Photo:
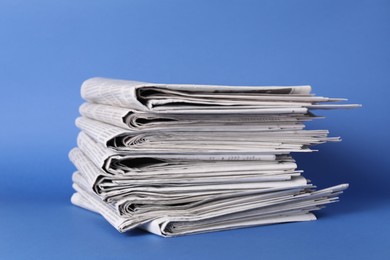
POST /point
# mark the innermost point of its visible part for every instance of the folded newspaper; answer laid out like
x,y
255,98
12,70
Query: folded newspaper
x,y
179,159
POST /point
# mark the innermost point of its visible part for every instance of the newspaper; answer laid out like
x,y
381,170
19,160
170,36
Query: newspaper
x,y
146,121
290,138
297,208
178,159
200,99
287,201
202,203
186,184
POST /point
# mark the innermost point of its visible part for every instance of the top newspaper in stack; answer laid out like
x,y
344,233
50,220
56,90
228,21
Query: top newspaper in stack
x,y
208,99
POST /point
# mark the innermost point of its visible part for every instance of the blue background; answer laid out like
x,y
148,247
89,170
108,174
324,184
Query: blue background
x,y
47,48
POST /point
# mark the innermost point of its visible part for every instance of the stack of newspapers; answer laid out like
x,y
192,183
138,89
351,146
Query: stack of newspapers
x,y
177,159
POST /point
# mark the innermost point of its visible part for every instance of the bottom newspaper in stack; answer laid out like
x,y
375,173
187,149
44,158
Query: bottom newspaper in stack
x,y
177,196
